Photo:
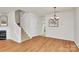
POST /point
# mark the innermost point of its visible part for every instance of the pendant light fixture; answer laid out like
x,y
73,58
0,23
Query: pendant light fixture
x,y
53,21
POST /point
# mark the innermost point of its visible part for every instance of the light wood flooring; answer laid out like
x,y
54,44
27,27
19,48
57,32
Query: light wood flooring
x,y
38,44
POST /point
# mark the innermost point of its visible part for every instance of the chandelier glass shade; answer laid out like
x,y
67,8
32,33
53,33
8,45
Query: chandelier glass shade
x,y
54,14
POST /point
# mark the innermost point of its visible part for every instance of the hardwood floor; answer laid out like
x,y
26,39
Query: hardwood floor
x,y
38,44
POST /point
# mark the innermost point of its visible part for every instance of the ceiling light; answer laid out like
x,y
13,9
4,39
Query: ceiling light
x,y
53,21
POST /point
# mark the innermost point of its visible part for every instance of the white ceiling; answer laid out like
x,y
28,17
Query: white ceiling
x,y
36,10
46,10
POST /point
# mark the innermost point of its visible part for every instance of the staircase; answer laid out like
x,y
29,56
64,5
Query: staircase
x,y
24,35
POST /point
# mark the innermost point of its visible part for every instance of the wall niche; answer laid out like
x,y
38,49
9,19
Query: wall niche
x,y
3,20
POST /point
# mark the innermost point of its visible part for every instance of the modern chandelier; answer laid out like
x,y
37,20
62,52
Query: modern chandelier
x,y
54,20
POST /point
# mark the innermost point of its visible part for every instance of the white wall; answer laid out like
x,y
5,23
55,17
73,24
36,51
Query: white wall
x,y
15,30
66,26
76,20
41,25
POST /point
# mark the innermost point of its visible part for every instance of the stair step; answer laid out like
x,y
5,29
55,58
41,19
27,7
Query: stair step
x,y
24,35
